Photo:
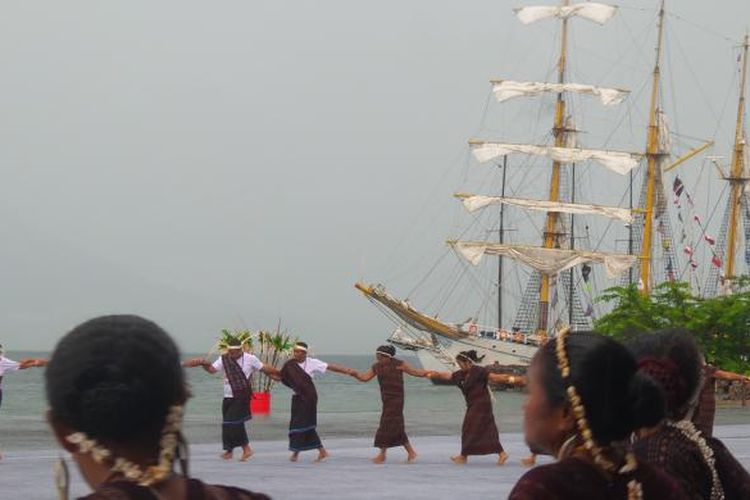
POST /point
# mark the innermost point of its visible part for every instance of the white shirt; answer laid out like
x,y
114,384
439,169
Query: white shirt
x,y
249,364
313,366
8,365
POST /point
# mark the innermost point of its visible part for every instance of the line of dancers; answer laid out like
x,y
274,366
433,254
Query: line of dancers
x,y
618,419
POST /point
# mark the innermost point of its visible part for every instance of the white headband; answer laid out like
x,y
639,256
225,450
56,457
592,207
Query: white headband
x,y
298,347
384,353
234,347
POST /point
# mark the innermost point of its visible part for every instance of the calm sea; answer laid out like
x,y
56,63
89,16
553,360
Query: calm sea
x,y
347,408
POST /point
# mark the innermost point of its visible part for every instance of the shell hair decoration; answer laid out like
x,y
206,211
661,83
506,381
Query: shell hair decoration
x,y
635,491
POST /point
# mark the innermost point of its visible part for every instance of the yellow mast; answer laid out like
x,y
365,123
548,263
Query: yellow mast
x,y
550,232
737,176
652,153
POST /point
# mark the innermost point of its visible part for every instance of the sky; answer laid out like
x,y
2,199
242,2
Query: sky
x,y
235,164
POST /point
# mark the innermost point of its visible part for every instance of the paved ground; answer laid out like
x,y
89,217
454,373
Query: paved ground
x,y
347,474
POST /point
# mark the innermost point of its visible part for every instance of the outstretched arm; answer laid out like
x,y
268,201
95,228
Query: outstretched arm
x,y
364,376
31,362
414,372
447,376
341,369
731,376
502,378
202,362
272,372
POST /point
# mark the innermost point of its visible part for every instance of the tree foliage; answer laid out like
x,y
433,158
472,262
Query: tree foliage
x,y
721,325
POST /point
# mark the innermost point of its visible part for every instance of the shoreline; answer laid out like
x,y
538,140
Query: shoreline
x,y
348,473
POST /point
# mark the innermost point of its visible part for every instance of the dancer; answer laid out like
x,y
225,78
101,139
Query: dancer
x,y
297,374
238,367
701,464
585,399
116,393
8,365
389,370
479,432
705,411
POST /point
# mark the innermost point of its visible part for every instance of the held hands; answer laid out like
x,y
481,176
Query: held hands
x,y
195,362
31,363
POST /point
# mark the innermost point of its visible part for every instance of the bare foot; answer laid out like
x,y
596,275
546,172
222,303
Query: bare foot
x,y
246,453
502,458
459,459
294,457
322,455
411,457
227,455
529,461
378,459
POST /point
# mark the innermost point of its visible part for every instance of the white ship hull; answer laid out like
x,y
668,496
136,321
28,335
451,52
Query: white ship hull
x,y
494,351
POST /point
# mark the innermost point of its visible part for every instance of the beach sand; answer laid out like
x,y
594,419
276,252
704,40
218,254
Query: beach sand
x,y
348,473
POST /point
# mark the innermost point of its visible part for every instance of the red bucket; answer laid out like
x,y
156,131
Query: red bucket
x,y
260,403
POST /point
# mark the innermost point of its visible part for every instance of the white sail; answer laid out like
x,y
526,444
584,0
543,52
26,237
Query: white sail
x,y
596,12
620,162
505,90
474,202
547,260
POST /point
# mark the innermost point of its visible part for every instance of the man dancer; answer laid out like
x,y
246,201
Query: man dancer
x,y
8,365
238,366
297,374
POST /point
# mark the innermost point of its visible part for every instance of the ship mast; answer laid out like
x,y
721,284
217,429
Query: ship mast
x,y
654,155
500,259
551,236
737,177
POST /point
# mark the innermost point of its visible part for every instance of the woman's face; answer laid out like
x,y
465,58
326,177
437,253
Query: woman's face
x,y
545,427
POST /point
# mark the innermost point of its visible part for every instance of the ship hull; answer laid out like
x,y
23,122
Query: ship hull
x,y
495,352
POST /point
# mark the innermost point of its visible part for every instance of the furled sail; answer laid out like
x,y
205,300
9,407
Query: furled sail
x,y
596,12
620,162
505,90
474,202
547,260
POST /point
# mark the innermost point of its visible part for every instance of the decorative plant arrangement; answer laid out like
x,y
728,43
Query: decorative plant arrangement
x,y
272,349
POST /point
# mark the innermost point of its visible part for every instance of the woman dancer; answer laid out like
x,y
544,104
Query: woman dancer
x,y
116,392
585,399
479,432
390,372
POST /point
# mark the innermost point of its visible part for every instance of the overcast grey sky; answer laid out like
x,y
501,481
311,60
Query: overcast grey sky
x,y
224,164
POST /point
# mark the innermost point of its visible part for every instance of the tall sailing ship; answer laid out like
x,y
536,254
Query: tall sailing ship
x,y
558,289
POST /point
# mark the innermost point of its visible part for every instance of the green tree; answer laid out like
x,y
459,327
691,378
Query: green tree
x,y
721,325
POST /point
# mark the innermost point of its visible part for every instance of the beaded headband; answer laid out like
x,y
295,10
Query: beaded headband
x,y
579,411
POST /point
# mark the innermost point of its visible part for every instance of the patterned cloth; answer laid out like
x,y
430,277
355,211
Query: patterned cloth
x,y
479,432
671,450
574,478
391,430
304,419
196,490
